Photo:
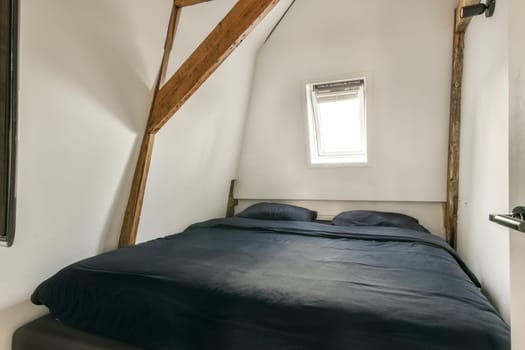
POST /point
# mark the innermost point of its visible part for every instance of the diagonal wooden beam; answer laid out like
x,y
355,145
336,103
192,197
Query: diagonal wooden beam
x,y
219,44
184,3
228,34
130,224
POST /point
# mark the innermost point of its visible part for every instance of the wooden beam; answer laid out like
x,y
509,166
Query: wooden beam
x,y
130,224
219,44
462,23
232,202
225,38
184,3
168,46
454,143
451,207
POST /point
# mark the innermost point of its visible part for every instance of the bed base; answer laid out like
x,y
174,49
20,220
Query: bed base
x,y
47,333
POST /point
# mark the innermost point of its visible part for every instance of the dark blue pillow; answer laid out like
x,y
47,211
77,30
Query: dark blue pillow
x,y
277,211
377,218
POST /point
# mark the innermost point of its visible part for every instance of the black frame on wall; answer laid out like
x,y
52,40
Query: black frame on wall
x,y
8,117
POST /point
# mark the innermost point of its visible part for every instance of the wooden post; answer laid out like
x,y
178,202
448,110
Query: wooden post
x,y
221,42
130,224
451,206
128,233
232,202
451,218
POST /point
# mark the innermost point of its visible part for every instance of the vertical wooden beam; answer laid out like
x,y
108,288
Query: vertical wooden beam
x,y
128,233
451,221
130,224
451,206
232,202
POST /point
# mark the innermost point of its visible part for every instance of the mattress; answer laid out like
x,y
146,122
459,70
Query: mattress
x,y
257,284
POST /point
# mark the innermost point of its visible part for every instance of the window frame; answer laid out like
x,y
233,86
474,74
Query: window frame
x,y
9,27
348,158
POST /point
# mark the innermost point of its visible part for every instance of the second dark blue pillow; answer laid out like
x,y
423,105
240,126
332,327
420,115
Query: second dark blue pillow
x,y
377,218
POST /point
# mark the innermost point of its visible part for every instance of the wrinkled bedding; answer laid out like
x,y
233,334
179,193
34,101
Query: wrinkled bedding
x,y
256,284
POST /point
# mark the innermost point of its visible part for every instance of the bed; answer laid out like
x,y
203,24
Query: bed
x,y
251,283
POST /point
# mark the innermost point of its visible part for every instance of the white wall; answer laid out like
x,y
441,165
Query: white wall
x,y
484,164
517,166
196,153
86,70
404,48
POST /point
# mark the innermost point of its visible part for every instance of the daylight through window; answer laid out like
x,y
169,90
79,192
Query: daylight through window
x,y
337,122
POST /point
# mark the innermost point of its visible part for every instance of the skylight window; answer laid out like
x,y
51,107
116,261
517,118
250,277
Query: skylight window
x,y
337,122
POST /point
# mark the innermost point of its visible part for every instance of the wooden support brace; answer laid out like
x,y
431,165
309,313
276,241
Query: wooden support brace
x,y
130,224
128,233
451,219
232,201
184,3
219,44
226,36
451,207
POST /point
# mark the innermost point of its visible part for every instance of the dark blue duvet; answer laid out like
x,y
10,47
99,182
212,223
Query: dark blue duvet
x,y
250,284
